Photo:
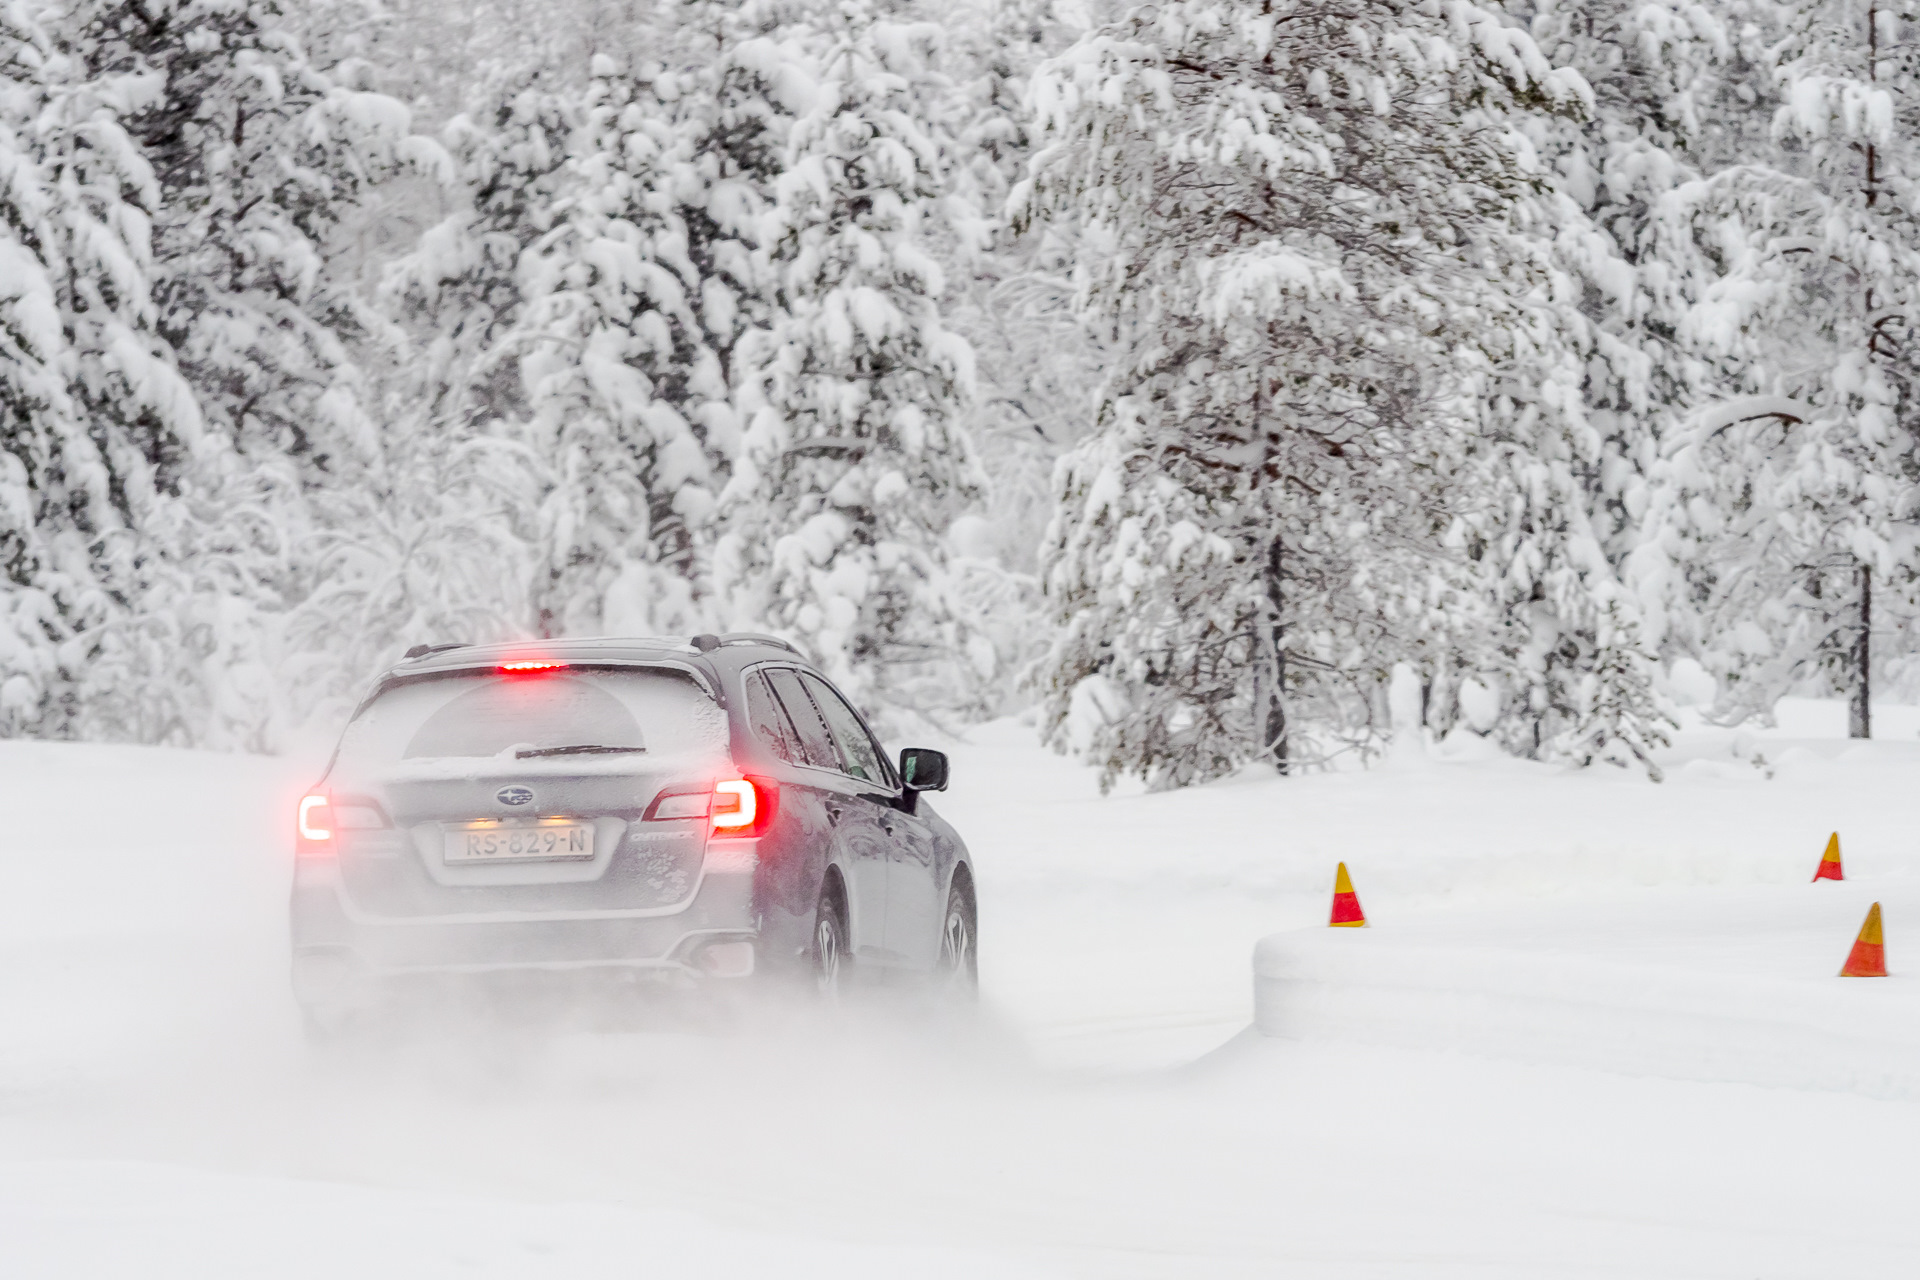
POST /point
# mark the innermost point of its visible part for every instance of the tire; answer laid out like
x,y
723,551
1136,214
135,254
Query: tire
x,y
828,958
958,971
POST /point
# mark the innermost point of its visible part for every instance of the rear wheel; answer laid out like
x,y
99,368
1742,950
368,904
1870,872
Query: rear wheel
x,y
830,944
959,968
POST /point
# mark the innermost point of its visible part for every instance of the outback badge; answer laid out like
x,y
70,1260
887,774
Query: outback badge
x,y
514,795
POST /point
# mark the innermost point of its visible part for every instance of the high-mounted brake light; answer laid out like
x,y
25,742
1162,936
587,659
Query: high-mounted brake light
x,y
735,804
316,818
531,665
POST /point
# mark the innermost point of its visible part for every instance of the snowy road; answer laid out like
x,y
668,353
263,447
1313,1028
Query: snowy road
x,y
158,1117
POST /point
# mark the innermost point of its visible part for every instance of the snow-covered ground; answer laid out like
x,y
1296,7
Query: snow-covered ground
x,y
1593,1032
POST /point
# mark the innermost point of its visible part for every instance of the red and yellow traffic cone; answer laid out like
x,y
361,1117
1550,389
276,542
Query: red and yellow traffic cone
x,y
1346,904
1829,868
1868,959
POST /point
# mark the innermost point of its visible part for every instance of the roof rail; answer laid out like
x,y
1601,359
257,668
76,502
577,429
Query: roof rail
x,y
758,637
423,650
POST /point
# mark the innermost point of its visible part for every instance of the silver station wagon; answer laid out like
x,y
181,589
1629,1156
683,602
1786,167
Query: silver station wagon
x,y
647,814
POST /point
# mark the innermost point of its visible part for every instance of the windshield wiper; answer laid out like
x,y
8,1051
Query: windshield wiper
x,y
577,749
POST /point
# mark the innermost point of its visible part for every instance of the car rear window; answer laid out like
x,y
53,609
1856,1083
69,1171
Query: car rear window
x,y
534,712
483,713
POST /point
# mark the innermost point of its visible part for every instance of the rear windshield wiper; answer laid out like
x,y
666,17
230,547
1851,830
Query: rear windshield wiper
x,y
577,749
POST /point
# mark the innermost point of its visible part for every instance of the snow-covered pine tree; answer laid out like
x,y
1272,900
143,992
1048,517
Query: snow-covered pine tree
x,y
618,375
433,541
1566,644
1296,220
742,74
857,463
1794,497
256,151
455,297
439,540
1010,296
678,159
50,590
429,544
1600,376
1012,293
95,427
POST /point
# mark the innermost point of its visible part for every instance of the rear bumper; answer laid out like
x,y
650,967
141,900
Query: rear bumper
x,y
340,950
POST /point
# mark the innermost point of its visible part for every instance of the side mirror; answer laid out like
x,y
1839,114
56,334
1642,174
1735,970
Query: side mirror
x,y
923,769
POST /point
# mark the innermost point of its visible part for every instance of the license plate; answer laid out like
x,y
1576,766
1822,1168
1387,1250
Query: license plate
x,y
549,841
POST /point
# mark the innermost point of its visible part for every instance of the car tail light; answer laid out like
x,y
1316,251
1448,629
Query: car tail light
x,y
531,666
735,805
738,807
314,826
681,804
744,807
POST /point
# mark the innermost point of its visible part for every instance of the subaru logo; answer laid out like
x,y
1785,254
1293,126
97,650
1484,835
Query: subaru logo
x,y
513,795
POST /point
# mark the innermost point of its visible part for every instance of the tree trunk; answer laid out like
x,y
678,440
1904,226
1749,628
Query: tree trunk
x,y
1860,714
1274,731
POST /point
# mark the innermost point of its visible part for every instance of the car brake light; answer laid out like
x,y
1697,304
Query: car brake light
x,y
530,667
316,818
735,805
313,825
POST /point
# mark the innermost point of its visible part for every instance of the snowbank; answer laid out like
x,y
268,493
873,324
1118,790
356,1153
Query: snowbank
x,y
1734,985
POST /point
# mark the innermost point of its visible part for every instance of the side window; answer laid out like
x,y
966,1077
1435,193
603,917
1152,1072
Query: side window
x,y
769,722
816,744
861,758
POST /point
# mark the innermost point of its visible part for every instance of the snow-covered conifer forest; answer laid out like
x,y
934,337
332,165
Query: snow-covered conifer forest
x,y
1196,373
